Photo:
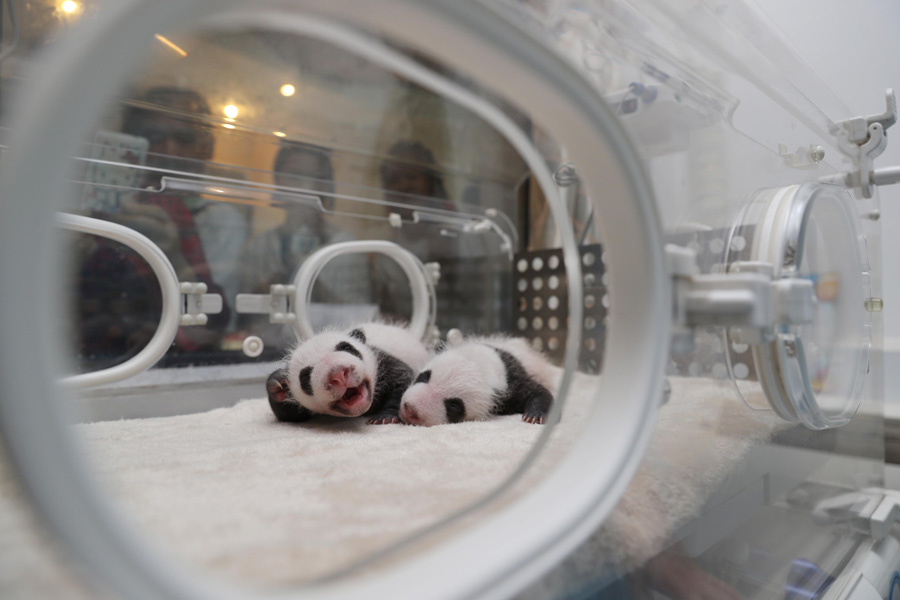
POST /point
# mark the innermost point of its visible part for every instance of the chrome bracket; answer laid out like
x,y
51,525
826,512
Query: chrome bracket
x,y
278,304
863,139
747,298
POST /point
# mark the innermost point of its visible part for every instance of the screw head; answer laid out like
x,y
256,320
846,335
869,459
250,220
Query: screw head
x,y
817,153
565,175
252,346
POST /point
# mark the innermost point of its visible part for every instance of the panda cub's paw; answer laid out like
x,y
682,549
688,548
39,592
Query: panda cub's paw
x,y
384,419
283,404
277,386
538,418
538,401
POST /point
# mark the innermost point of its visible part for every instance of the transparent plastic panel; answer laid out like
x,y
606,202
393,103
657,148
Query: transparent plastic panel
x,y
729,499
836,357
242,151
238,204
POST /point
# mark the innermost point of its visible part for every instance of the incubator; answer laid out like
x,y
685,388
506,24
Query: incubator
x,y
660,197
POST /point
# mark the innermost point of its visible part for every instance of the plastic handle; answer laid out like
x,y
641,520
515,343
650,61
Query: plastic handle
x,y
423,295
171,299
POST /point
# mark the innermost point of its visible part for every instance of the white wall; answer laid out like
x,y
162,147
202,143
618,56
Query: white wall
x,y
855,49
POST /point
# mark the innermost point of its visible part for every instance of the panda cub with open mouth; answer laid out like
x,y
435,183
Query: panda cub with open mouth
x,y
362,372
477,379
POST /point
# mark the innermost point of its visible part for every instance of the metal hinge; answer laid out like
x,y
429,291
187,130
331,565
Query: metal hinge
x,y
278,304
196,304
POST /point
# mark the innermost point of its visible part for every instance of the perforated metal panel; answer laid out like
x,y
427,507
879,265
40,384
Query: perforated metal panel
x,y
540,290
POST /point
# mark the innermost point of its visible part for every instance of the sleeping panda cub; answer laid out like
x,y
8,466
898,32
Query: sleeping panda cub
x,y
361,372
479,378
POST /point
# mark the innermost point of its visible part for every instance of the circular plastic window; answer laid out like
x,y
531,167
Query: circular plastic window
x,y
812,373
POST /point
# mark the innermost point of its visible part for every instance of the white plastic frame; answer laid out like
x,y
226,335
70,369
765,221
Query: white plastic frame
x,y
169,286
424,302
537,530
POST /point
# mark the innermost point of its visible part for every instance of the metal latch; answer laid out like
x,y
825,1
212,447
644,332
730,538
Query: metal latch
x,y
863,139
278,304
747,298
196,304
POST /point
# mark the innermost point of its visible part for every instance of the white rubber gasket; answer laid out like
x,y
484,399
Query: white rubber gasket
x,y
424,300
169,286
768,246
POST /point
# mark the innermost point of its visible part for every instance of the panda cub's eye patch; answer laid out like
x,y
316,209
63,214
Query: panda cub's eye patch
x,y
456,410
424,377
348,348
305,381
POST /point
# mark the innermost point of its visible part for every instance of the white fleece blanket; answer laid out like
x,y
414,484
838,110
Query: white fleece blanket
x,y
234,492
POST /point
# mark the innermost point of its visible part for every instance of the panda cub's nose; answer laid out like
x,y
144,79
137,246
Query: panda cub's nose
x,y
409,414
340,377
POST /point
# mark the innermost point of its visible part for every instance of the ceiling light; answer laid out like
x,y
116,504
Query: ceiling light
x,y
167,42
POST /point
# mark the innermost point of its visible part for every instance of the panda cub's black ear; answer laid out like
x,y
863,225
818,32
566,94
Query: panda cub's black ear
x,y
358,334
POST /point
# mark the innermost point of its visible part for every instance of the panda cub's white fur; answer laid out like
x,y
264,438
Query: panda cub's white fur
x,y
348,373
478,378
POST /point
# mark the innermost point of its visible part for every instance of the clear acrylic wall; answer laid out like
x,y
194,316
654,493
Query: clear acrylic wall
x,y
727,117
240,151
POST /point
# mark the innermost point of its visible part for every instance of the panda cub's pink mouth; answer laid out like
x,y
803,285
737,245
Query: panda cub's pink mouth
x,y
355,400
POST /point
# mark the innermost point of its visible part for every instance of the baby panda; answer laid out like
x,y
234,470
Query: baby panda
x,y
362,372
478,378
